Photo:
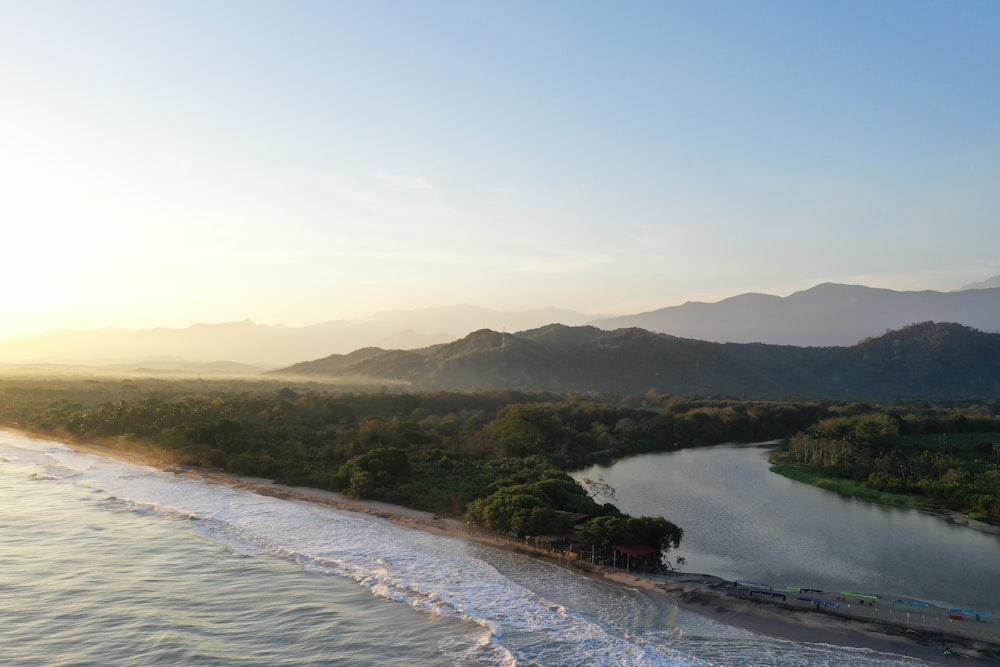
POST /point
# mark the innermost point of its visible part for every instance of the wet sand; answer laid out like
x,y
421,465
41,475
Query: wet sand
x,y
801,622
883,627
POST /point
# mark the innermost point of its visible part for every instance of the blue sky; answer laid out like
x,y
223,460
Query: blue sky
x,y
171,162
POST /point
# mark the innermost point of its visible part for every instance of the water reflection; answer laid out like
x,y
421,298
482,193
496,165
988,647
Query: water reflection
x,y
742,521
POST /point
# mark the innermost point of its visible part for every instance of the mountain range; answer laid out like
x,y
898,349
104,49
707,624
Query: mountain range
x,y
264,347
922,361
825,315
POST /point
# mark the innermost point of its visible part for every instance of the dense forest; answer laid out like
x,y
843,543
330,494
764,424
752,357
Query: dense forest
x,y
909,456
498,458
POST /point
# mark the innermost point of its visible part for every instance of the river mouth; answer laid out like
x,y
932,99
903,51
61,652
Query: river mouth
x,y
742,521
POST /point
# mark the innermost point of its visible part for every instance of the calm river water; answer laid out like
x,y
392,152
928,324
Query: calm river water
x,y
742,521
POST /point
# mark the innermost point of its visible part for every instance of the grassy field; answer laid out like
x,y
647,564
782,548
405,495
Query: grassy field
x,y
846,487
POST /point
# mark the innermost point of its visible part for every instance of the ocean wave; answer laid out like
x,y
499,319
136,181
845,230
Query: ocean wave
x,y
432,576
543,615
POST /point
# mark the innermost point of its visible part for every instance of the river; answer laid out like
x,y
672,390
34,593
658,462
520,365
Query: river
x,y
742,521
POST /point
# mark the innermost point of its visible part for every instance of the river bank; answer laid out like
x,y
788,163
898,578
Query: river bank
x,y
700,594
852,489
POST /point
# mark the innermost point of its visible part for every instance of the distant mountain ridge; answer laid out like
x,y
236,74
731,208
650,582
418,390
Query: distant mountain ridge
x,y
825,315
828,314
983,284
925,361
271,347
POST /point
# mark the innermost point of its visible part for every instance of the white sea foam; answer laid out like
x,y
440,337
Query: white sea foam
x,y
433,577
436,575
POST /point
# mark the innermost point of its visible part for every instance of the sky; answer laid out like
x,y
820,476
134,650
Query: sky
x,y
167,162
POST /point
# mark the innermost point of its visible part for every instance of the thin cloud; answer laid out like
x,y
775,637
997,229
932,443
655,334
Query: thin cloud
x,y
404,182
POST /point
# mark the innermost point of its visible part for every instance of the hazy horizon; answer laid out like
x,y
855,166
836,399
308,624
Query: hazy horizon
x,y
174,163
375,316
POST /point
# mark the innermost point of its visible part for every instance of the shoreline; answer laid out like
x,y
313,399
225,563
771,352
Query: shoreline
x,y
704,595
807,625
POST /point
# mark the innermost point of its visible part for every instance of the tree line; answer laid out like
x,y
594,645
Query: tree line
x,y
921,455
497,458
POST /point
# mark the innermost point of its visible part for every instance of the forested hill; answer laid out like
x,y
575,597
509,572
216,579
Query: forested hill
x,y
924,361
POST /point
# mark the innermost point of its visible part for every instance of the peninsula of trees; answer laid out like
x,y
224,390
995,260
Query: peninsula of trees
x,y
903,456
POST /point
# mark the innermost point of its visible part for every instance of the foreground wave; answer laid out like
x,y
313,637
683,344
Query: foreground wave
x,y
249,579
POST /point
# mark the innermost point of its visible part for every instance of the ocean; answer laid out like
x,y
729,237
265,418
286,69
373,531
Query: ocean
x,y
107,563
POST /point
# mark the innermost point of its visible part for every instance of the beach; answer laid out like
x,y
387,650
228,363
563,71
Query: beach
x,y
727,602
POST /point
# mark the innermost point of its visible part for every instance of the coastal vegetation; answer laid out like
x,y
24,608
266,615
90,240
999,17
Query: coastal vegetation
x,y
500,458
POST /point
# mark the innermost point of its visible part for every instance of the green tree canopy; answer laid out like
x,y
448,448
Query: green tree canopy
x,y
373,474
606,531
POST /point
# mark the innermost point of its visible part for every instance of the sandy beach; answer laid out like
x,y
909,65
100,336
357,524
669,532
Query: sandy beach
x,y
831,619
